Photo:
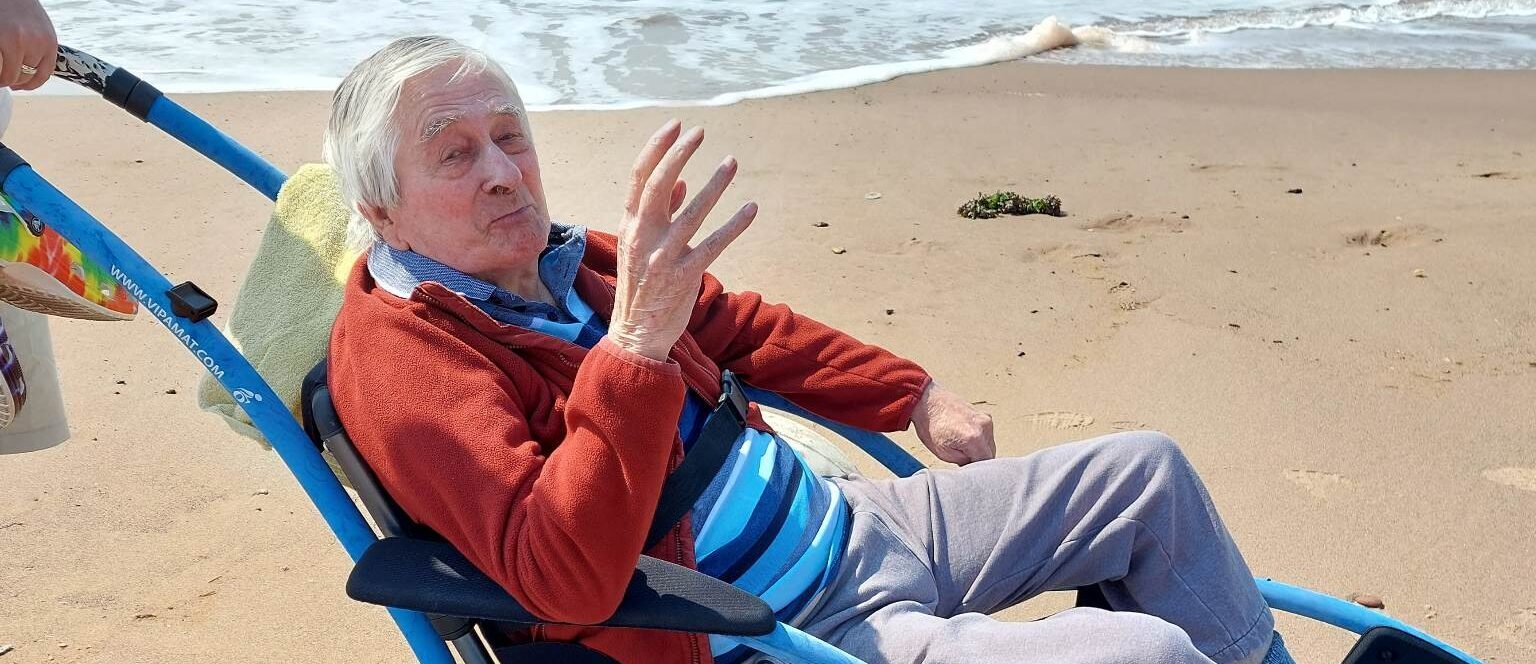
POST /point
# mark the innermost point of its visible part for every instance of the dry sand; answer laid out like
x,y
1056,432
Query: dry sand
x,y
1362,429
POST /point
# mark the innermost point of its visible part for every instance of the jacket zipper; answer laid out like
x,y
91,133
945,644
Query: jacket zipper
x,y
539,633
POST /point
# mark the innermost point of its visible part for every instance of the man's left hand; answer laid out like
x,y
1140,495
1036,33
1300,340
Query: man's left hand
x,y
952,428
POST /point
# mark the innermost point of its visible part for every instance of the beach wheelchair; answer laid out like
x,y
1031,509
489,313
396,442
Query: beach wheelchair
x,y
435,596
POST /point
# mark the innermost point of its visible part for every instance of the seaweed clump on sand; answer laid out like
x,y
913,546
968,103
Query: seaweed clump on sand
x,y
1007,202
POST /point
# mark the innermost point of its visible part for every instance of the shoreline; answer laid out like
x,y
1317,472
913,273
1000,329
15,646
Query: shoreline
x,y
1361,428
793,89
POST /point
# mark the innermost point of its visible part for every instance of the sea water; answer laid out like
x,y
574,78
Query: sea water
x,y
624,53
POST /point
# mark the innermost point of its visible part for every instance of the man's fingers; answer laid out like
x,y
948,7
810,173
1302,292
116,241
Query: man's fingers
x,y
982,445
645,163
659,187
34,80
698,209
981,450
39,51
972,451
9,61
679,192
712,246
44,66
952,455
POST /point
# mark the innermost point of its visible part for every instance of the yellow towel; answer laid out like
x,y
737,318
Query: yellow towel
x,y
282,318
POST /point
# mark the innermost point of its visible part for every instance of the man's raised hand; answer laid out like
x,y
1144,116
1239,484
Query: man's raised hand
x,y
659,270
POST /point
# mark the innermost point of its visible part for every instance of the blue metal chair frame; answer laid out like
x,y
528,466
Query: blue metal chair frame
x,y
213,350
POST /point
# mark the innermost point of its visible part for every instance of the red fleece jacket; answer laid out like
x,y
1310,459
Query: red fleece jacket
x,y
542,461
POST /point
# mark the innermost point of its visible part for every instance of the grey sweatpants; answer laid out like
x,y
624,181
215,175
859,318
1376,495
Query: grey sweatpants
x,y
931,555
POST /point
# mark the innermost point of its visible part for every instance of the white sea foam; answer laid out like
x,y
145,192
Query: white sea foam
x,y
1047,35
624,53
1329,15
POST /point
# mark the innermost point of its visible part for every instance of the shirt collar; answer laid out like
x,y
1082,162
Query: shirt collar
x,y
400,272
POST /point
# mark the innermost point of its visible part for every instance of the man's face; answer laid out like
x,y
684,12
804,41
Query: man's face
x,y
468,176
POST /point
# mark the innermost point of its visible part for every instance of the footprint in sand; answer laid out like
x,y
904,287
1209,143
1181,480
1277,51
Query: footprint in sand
x,y
1519,629
1316,482
1125,302
1393,236
909,248
1130,425
1125,222
1214,168
1519,478
1059,419
1067,252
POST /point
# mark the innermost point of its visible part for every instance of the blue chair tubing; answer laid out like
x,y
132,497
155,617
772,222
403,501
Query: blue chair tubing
x,y
213,350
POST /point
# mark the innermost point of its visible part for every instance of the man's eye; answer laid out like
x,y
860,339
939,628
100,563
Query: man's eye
x,y
507,138
452,155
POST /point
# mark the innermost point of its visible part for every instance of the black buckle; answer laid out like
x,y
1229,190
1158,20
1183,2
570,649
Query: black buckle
x,y
732,398
190,302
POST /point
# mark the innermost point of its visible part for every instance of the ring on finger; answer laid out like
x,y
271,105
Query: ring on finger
x,y
28,70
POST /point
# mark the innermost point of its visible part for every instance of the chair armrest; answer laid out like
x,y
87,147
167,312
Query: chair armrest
x,y
434,578
880,447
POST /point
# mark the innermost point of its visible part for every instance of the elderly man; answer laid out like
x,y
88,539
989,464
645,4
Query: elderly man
x,y
527,389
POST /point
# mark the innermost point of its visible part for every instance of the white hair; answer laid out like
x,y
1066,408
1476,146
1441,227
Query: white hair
x,y
362,137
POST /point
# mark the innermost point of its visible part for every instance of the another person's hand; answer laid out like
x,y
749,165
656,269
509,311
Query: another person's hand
x,y
952,428
659,273
28,46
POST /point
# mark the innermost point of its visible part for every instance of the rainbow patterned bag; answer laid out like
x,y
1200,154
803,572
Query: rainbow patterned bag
x,y
41,271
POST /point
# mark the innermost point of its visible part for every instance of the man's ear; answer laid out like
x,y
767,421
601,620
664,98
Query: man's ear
x,y
379,218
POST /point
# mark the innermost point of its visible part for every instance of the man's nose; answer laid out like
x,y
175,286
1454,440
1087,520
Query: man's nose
x,y
502,175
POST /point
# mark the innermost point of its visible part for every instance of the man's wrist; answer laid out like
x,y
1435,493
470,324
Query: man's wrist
x,y
629,342
920,411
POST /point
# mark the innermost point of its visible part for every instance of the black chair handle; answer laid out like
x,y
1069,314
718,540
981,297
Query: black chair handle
x,y
112,82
